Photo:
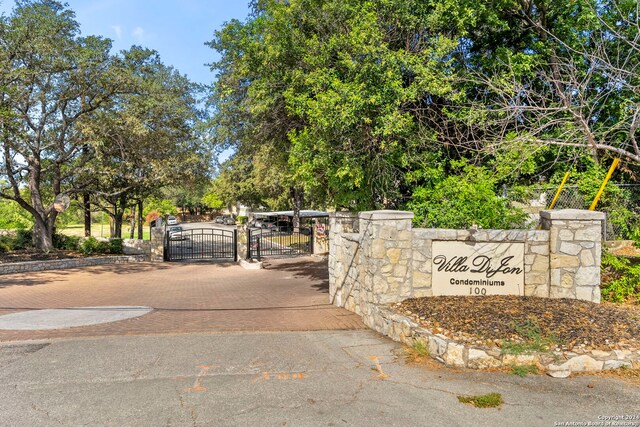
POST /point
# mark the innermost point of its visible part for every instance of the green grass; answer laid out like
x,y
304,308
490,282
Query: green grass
x,y
491,400
523,370
98,230
420,348
532,340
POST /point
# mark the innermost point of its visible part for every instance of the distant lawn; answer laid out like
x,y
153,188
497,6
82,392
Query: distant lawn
x,y
98,230
297,241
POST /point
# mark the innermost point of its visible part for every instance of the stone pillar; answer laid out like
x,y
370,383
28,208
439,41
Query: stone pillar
x,y
243,235
575,240
157,244
387,242
340,258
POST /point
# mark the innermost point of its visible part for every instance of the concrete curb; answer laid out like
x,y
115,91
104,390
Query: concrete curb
x,y
250,265
558,364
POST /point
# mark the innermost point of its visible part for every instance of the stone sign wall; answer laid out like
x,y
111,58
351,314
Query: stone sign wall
x,y
377,258
477,268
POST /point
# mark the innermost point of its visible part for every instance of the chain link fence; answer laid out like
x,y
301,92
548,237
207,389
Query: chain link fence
x,y
620,203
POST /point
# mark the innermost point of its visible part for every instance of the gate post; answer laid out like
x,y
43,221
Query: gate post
x,y
248,243
157,244
235,245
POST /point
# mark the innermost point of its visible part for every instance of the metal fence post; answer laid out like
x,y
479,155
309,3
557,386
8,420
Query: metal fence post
x,y
248,243
258,249
235,245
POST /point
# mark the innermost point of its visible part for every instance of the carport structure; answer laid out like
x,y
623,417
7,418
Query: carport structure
x,y
277,237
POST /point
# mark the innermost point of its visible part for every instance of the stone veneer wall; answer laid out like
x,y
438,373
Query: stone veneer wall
x,y
136,247
24,267
376,258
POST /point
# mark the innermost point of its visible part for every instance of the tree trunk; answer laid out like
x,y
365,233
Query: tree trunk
x,y
297,196
118,207
42,235
132,222
140,233
86,205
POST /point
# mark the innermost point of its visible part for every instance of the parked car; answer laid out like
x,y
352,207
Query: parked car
x,y
219,220
229,220
172,220
176,233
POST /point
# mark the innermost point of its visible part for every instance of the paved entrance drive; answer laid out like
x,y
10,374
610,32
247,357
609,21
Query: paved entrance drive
x,y
289,295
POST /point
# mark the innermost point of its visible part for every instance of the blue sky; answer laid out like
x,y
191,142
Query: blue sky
x,y
177,29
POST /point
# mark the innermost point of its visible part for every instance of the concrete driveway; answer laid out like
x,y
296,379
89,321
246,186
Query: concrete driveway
x,y
289,295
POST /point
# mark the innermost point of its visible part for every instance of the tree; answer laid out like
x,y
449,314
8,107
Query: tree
x,y
52,79
326,91
146,139
565,75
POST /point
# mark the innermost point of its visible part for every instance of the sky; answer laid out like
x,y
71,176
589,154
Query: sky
x,y
177,29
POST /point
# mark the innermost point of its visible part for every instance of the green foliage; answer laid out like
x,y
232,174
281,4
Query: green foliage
x,y
620,279
23,239
531,340
420,348
116,246
64,242
462,200
13,217
163,207
92,246
6,244
89,246
241,219
212,200
491,400
523,370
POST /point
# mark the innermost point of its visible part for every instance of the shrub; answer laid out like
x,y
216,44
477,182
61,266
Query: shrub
x,y
464,199
23,240
242,219
89,246
6,244
620,279
116,246
66,243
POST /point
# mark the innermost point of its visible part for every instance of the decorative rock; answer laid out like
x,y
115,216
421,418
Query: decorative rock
x,y
479,359
582,363
518,359
600,354
622,354
616,364
454,356
559,374
437,345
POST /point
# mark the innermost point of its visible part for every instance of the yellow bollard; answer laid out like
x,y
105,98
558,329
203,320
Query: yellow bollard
x,y
555,198
604,183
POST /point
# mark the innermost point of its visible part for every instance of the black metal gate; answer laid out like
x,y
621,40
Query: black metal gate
x,y
201,244
274,242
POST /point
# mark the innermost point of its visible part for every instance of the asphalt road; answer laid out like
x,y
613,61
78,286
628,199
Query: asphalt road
x,y
334,378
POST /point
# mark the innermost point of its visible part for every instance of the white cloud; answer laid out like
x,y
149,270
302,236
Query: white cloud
x,y
138,33
118,30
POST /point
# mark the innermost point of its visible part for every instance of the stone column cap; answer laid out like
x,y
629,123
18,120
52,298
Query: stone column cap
x,y
573,215
386,215
343,214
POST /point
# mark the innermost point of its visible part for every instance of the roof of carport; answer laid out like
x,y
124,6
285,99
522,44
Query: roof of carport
x,y
303,214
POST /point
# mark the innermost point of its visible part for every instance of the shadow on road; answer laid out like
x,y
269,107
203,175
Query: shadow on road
x,y
303,267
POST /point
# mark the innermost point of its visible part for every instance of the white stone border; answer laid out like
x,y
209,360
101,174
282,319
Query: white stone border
x,y
63,264
456,354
